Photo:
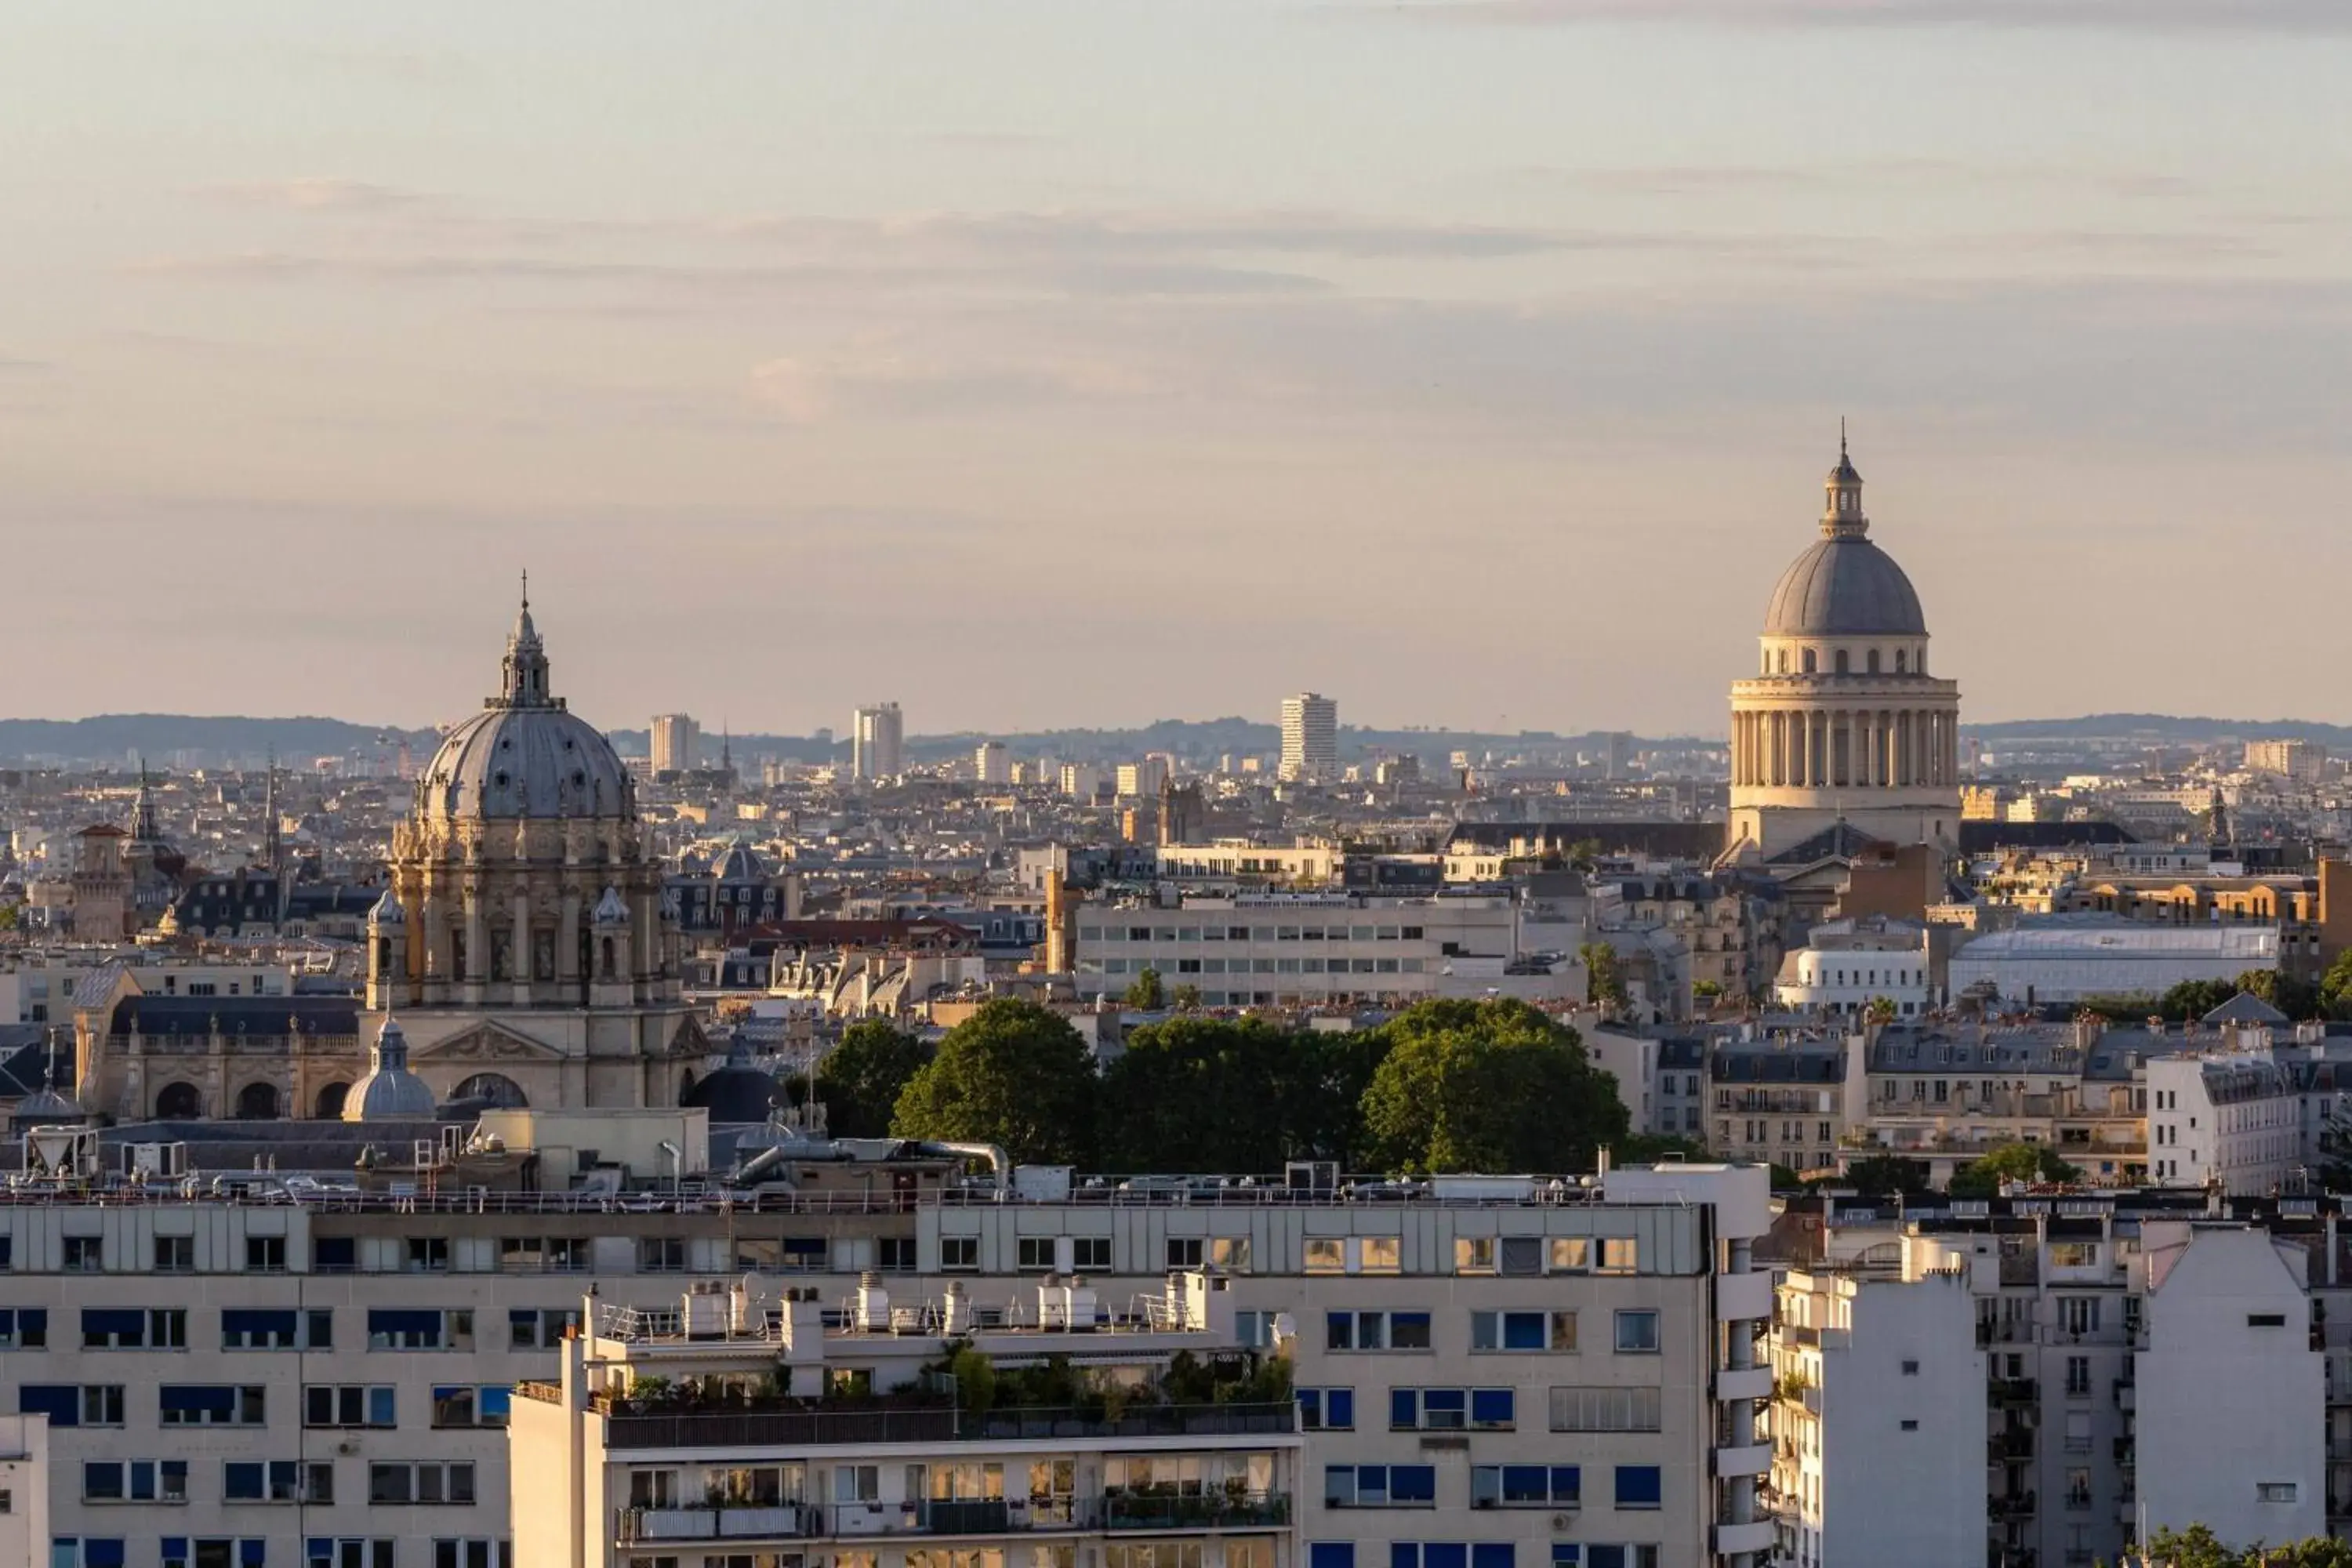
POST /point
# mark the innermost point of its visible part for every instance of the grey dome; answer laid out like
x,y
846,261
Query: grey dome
x,y
389,1092
739,864
1845,587
525,754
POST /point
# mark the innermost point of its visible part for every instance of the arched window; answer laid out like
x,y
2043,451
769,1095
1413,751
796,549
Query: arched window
x,y
256,1102
1900,660
329,1105
1841,666
1808,661
608,958
179,1103
1874,661
498,1089
1784,661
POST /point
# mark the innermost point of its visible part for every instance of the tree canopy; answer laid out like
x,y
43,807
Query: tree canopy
x,y
2011,1163
1013,1074
1487,1085
861,1079
1205,1094
2199,1547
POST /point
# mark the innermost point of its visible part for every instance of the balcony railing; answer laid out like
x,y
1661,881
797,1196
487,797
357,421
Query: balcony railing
x,y
2016,1505
940,1517
635,1426
2009,1390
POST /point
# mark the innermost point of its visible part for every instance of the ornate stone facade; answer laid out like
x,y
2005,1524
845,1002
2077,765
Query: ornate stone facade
x,y
523,938
1842,723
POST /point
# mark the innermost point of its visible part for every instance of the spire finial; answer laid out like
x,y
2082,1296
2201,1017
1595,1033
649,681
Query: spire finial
x,y
1840,453
525,571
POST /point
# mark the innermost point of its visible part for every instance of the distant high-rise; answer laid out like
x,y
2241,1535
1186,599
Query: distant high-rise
x,y
877,743
1310,737
992,763
677,744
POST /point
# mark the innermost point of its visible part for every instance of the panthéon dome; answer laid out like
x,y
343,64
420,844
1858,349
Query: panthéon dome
x,y
1845,585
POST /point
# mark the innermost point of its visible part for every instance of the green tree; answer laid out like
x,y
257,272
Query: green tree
x,y
1487,1085
1881,1011
2193,999
1203,1094
1884,1174
1013,1074
2335,985
1329,1077
1186,998
1650,1148
861,1079
1604,978
2011,1163
2295,998
2196,1547
1144,993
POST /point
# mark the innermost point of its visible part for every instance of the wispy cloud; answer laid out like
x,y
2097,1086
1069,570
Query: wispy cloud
x,y
1845,177
1157,233
315,194
2287,16
810,389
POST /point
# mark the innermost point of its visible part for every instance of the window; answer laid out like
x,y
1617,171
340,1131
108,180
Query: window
x,y
1380,1255
1376,1330
1910,1369
543,1255
2078,1377
1522,1254
1620,1255
960,1252
1332,1555
2275,1491
420,1483
1089,1254
1231,1253
1474,1255
1605,1410
1450,1554
1526,1486
2079,1314
1186,1251
1326,1409
1035,1254
134,1481
661,1255
1570,1255
1326,1255
479,1551
1379,1485
2078,1489
427,1255
1637,1333
212,1404
265,1254
539,1328
248,1329
135,1328
278,1480
347,1404
432,1329
2266,1320
347,1551
1598,1555
896,1255
86,1552
468,1404
24,1328
1450,1409
1638,1486
85,1255
334,1254
1523,1331
174,1255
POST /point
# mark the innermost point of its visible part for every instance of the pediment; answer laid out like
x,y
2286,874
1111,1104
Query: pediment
x,y
485,1042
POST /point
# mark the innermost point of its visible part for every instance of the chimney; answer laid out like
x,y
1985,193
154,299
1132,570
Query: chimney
x,y
955,1314
871,1309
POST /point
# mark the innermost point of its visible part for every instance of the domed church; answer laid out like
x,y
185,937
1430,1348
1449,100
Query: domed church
x,y
523,940
1843,736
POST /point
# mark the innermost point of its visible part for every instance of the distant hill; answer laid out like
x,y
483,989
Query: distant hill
x,y
2162,727
122,738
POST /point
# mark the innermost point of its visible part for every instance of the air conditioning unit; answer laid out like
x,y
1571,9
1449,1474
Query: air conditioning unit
x,y
348,1446
1563,1520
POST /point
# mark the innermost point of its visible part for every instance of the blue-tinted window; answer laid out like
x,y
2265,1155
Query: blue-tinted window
x,y
1638,1486
1566,1554
1445,1554
1332,1555
1493,1408
1413,1483
1310,1408
1339,1409
60,1402
1523,1331
1490,1554
1404,1409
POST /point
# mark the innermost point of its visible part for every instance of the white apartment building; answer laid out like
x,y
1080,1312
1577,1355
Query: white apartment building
x,y
1848,974
2249,1117
777,1435
677,744
878,742
1310,738
1878,1428
1561,1371
992,763
1141,781
1302,948
1080,781
24,1481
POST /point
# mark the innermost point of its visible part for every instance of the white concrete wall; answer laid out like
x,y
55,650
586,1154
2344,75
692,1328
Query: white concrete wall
x,y
2227,1404
1903,1460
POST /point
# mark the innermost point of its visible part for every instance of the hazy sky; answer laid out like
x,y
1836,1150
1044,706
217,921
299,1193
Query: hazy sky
x,y
1094,362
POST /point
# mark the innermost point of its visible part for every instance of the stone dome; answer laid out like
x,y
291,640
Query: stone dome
x,y
1845,587
389,1092
739,864
525,755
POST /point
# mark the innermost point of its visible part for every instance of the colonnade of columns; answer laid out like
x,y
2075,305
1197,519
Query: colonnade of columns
x,y
1822,748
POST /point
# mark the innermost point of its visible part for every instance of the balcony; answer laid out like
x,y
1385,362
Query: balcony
x,y
2006,1391
1743,1296
635,1525
2127,1452
941,1517
794,1425
1226,1511
2127,1394
1744,1459
2013,1505
1748,1383
1762,1536
2008,1447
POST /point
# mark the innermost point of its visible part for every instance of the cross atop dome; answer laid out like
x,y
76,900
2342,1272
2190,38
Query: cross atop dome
x,y
1842,517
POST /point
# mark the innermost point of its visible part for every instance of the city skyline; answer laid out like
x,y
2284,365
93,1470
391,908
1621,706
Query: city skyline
x,y
1498,317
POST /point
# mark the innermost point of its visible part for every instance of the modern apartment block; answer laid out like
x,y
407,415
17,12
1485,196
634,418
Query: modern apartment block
x,y
877,743
1507,1368
676,742
1310,738
736,1427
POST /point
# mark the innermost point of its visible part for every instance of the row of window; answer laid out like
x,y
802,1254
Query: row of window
x,y
1180,966
276,1481
1635,1332
432,1255
1484,1554
258,1329
455,1406
1574,1409
1638,1487
251,1551
1254,933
